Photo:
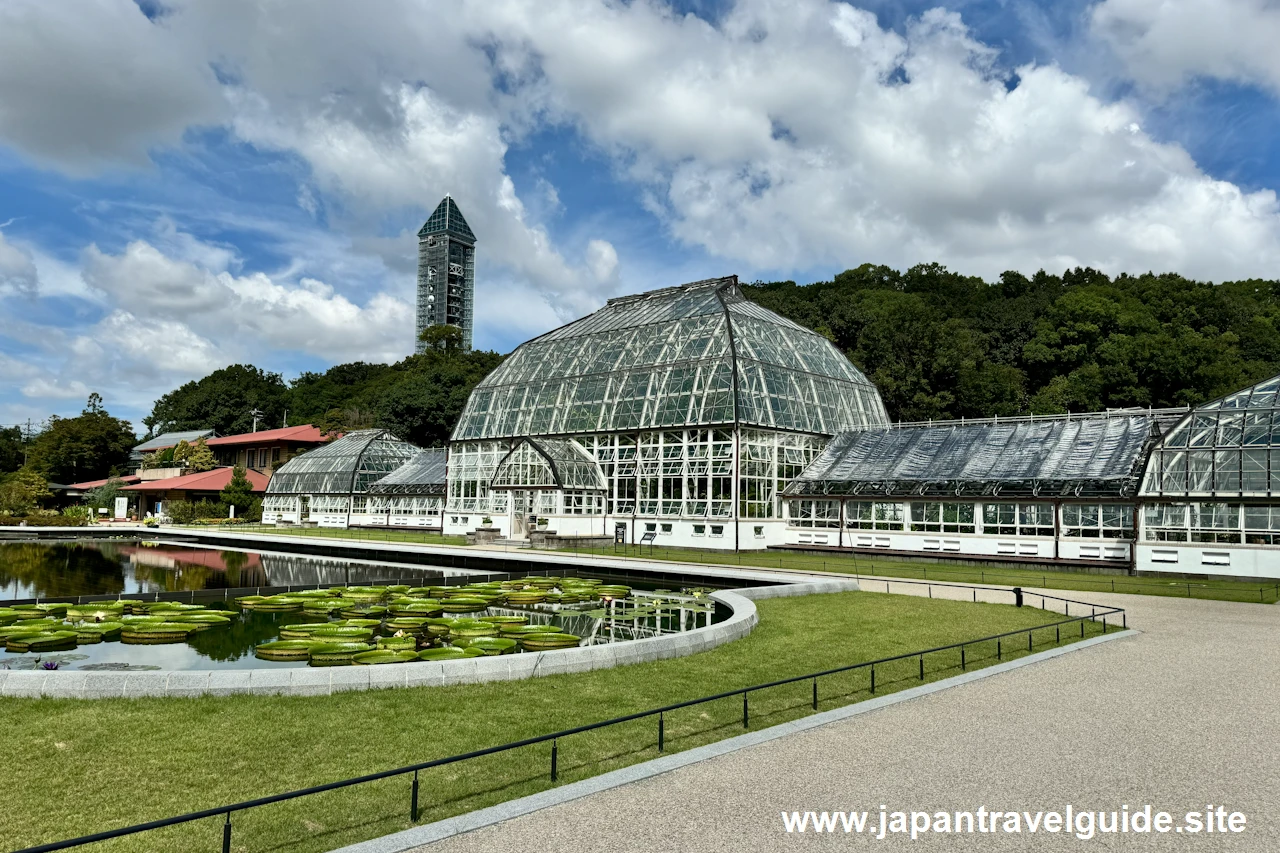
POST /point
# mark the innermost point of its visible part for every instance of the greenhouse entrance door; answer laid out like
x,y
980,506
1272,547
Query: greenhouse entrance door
x,y
521,504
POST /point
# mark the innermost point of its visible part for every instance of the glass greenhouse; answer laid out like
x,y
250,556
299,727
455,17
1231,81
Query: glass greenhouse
x,y
320,485
410,496
692,405
1215,476
1060,488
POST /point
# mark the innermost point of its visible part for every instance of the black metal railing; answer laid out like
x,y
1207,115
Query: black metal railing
x,y
1097,615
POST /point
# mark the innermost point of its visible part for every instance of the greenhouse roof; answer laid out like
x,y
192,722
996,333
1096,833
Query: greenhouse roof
x,y
548,463
1096,456
700,354
424,474
1222,448
346,466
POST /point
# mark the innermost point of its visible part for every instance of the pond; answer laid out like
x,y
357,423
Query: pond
x,y
428,613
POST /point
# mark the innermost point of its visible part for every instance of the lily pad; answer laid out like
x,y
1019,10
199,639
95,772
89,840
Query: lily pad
x,y
383,656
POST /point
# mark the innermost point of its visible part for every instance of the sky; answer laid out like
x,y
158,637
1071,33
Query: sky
x,y
187,185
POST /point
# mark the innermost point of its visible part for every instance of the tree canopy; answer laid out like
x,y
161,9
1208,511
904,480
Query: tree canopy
x,y
419,398
942,345
91,446
223,401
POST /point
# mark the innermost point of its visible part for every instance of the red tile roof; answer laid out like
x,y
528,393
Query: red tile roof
x,y
305,433
93,484
206,481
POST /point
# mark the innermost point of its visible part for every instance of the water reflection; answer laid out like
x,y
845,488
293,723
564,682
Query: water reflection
x,y
66,569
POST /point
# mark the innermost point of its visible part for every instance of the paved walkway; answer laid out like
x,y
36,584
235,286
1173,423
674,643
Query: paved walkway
x,y
1184,715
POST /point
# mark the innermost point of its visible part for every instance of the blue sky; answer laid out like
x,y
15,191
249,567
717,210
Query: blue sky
x,y
188,185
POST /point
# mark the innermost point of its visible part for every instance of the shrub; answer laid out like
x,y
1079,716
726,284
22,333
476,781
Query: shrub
x,y
189,512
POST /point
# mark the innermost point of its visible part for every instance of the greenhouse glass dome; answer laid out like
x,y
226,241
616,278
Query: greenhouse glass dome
x,y
680,412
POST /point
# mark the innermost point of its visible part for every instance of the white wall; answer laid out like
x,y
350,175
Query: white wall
x,y
1249,561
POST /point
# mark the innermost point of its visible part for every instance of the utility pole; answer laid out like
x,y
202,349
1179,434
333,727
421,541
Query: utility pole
x,y
257,414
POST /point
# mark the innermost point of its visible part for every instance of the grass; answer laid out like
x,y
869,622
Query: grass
x,y
110,763
1218,590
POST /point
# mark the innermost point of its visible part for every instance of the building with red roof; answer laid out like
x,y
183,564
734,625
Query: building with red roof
x,y
153,494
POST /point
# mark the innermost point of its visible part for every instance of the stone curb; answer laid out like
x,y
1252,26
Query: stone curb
x,y
418,836
74,684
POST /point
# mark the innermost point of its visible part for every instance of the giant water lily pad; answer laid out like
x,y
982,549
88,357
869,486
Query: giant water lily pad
x,y
285,650
524,630
398,644
383,656
445,653
150,633
96,632
491,645
45,641
337,654
547,642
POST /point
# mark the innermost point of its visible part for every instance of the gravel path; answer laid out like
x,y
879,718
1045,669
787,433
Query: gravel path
x,y
1184,715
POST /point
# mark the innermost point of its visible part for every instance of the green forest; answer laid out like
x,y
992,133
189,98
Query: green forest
x,y
936,343
942,345
419,398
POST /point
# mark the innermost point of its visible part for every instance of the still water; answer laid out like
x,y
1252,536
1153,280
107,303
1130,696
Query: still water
x,y
129,567
64,569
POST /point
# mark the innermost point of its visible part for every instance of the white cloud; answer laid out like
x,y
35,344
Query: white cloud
x,y
88,84
252,313
17,269
1164,43
797,134
602,260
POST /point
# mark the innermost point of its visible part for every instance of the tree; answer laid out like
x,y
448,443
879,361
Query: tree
x,y
238,492
200,457
22,491
222,401
104,497
442,338
92,446
12,449
424,405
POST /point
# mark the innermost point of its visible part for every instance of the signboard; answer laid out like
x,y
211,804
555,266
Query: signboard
x,y
122,507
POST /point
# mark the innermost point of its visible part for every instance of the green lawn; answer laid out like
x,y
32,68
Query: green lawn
x,y
82,766
1220,590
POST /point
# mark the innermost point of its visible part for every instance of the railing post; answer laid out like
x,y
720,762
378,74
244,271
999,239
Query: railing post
x,y
1104,623
873,678
662,732
1057,634
226,835
554,774
999,651
1082,628
962,664
1017,596
745,718
413,804
1124,619
815,693
922,667
1029,641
